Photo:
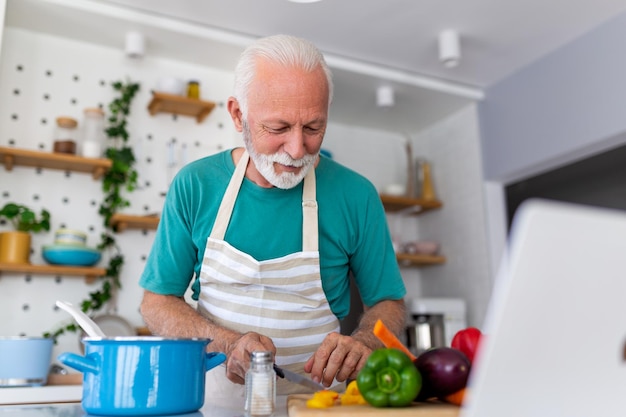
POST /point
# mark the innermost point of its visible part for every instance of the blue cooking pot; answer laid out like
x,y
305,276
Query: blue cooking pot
x,y
143,375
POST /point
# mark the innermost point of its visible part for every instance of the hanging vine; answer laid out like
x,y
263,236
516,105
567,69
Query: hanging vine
x,y
121,178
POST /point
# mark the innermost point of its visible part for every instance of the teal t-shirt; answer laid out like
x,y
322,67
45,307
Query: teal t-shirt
x,y
267,223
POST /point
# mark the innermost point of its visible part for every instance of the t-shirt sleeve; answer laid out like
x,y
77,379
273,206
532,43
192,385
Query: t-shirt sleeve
x,y
170,264
374,263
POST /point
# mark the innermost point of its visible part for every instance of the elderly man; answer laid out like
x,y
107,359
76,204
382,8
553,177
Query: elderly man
x,y
271,233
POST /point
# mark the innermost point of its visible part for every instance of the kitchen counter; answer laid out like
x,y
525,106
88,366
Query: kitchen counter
x,y
225,408
38,395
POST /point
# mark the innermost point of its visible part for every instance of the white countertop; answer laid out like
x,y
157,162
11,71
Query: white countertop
x,y
45,394
75,410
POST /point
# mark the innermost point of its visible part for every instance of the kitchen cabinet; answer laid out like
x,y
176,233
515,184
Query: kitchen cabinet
x,y
11,157
412,206
169,103
120,222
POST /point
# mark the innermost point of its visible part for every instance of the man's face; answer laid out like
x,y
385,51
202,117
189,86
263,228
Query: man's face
x,y
287,116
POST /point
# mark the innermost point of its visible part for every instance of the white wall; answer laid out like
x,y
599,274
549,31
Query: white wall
x,y
453,148
75,75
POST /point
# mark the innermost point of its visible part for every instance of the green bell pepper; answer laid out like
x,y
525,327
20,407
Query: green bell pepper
x,y
389,379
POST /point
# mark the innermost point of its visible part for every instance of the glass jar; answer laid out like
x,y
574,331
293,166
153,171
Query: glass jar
x,y
65,135
93,133
260,385
193,89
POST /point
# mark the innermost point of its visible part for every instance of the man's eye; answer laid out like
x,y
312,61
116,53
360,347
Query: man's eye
x,y
277,129
312,130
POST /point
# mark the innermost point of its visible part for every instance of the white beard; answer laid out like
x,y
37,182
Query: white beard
x,y
265,164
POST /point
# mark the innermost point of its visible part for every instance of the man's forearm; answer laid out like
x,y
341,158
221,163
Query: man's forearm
x,y
171,316
390,312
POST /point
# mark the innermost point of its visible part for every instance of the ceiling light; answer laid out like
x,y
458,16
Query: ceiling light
x,y
304,1
385,96
135,44
449,48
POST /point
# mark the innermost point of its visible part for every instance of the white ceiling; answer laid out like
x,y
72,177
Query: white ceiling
x,y
368,42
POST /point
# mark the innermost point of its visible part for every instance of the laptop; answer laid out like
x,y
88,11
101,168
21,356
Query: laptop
x,y
555,329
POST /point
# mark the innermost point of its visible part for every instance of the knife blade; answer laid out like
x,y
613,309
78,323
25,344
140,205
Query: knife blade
x,y
298,379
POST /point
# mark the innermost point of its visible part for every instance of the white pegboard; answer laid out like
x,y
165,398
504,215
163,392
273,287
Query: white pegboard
x,y
43,77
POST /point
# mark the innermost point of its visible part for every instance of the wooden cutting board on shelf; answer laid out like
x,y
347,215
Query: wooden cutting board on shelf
x,y
296,407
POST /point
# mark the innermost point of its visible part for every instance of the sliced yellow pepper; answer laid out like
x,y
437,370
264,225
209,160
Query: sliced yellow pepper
x,y
352,395
322,399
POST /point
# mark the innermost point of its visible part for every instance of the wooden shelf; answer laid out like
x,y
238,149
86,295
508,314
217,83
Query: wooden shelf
x,y
90,273
420,260
11,157
121,222
169,103
408,205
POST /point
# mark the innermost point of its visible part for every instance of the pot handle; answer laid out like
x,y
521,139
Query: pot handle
x,y
213,359
80,363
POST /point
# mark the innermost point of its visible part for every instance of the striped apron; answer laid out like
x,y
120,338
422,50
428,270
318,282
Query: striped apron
x,y
280,298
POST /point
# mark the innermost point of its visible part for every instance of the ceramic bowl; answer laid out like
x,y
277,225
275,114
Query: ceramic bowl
x,y
171,85
70,237
72,255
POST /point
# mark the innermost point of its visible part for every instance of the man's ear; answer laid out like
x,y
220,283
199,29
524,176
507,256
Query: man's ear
x,y
235,113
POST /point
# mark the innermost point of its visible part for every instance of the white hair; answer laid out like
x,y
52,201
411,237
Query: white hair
x,y
286,50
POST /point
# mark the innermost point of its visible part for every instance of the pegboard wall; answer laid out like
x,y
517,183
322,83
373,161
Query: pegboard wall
x,y
42,78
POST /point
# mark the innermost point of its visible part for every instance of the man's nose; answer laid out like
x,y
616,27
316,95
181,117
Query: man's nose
x,y
294,145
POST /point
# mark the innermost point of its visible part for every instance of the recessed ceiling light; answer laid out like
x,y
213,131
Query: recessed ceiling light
x,y
304,1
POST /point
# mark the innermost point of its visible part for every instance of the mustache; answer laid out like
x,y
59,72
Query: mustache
x,y
284,159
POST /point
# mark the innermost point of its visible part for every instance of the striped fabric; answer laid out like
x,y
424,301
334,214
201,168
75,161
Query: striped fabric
x,y
281,298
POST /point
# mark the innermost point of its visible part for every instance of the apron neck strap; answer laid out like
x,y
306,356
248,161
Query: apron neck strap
x,y
309,213
309,206
230,196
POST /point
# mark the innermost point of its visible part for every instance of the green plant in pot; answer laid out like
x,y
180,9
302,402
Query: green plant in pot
x,y
15,245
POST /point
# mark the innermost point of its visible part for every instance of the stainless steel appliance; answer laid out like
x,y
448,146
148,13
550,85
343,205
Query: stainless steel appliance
x,y
432,322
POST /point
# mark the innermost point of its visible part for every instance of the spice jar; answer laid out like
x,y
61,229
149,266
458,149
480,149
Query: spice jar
x,y
65,135
93,133
193,89
260,385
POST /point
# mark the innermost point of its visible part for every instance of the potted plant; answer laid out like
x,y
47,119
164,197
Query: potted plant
x,y
15,245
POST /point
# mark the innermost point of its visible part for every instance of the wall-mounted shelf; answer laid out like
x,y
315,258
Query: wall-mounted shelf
x,y
11,157
420,260
408,205
169,103
413,206
121,222
90,273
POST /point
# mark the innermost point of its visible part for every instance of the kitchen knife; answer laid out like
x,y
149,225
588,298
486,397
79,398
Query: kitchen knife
x,y
298,379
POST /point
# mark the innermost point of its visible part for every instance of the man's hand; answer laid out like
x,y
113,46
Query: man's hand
x,y
171,316
342,357
239,352
339,357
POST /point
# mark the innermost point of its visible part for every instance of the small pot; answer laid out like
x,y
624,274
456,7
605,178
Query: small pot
x,y
24,361
15,247
143,375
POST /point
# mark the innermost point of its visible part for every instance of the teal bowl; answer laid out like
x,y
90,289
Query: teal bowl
x,y
70,255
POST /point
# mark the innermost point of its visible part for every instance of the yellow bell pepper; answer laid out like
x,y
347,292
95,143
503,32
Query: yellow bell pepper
x,y
322,399
352,395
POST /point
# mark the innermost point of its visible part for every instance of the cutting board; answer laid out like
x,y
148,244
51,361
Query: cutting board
x,y
296,407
